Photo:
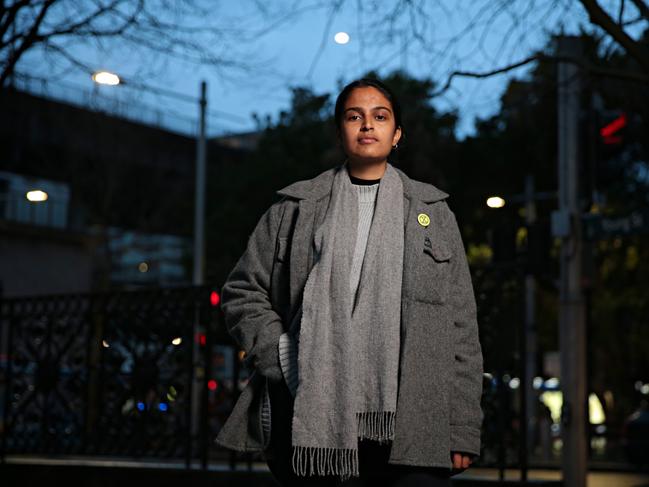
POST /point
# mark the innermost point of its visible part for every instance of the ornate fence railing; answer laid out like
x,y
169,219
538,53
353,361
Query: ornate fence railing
x,y
139,374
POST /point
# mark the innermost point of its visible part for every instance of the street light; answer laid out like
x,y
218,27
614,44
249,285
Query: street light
x,y
106,78
495,202
36,196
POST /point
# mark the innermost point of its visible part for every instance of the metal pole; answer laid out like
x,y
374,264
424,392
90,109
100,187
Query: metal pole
x,y
199,257
529,338
572,329
199,209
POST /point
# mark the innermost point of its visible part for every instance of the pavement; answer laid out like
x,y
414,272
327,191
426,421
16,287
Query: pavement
x,y
594,479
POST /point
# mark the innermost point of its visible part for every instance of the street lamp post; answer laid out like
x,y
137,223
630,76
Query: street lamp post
x,y
198,368
199,212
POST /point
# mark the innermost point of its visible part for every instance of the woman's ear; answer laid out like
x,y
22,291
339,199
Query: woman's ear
x,y
397,136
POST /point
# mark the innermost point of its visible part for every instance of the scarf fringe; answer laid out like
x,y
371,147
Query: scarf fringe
x,y
308,460
376,425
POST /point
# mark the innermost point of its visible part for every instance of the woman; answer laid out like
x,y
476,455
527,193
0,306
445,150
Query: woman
x,y
354,303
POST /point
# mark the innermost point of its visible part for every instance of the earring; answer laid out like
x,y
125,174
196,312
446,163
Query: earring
x,y
395,146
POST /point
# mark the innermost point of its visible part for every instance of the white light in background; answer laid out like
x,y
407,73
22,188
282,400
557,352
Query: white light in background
x,y
495,202
36,195
595,410
105,78
341,38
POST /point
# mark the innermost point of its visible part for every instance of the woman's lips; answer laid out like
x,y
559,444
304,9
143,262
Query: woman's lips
x,y
367,140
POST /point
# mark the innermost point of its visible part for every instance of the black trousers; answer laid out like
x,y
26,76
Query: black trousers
x,y
373,467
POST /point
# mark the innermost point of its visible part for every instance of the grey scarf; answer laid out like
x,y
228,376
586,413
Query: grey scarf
x,y
348,356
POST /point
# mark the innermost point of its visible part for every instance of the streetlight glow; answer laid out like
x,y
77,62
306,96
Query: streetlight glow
x,y
36,195
341,38
106,78
495,202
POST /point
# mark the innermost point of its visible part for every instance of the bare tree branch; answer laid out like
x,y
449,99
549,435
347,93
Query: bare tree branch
x,y
599,17
620,13
8,16
27,42
642,7
325,33
187,30
587,67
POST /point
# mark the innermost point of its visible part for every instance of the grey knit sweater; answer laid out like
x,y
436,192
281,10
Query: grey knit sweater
x,y
367,190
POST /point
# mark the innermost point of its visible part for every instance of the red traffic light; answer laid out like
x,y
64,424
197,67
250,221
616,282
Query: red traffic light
x,y
608,131
215,299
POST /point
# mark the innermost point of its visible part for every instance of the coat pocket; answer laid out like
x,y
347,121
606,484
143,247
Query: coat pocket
x,y
433,270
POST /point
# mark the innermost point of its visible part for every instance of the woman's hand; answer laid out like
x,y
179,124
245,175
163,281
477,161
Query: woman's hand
x,y
461,461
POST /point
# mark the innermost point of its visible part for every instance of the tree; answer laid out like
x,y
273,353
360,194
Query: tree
x,y
195,31
507,34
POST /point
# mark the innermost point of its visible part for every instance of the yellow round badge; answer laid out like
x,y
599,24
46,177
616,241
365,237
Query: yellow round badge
x,y
423,219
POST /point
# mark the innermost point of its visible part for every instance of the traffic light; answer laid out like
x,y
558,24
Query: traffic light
x,y
612,133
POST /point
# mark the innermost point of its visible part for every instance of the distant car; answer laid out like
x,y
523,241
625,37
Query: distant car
x,y
635,436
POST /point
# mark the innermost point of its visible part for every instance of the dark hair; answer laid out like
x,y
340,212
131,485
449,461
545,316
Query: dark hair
x,y
363,83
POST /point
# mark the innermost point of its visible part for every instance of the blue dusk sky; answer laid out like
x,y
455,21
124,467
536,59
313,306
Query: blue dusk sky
x,y
280,50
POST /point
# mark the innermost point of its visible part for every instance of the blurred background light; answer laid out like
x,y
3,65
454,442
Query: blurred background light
x,y
495,202
341,38
105,78
36,195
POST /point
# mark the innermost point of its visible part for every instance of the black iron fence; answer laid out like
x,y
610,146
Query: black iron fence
x,y
138,374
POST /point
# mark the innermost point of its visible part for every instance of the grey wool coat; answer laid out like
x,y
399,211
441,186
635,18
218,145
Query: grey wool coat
x,y
440,370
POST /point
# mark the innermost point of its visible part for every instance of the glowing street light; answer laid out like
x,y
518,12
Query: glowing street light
x,y
341,38
495,202
106,78
36,196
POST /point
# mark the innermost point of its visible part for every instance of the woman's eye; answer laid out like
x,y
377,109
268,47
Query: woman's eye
x,y
353,117
380,117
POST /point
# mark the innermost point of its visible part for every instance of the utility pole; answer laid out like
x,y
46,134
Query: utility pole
x,y
198,365
567,225
529,337
199,206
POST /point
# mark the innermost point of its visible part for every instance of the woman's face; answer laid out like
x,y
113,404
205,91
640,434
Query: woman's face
x,y
368,129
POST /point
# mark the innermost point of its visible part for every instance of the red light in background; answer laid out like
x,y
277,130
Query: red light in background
x,y
607,132
215,299
212,385
202,339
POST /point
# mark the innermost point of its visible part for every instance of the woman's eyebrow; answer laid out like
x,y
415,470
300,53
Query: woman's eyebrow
x,y
360,109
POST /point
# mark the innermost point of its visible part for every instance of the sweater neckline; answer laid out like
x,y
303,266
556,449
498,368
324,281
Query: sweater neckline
x,y
364,182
